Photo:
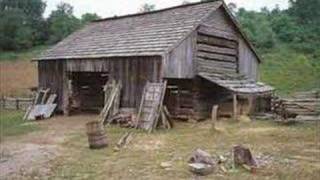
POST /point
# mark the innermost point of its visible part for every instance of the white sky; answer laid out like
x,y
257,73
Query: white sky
x,y
107,8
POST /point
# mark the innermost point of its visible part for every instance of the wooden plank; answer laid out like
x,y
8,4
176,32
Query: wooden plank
x,y
216,41
42,111
52,98
217,57
216,49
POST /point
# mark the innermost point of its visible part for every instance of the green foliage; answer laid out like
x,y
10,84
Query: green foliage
x,y
12,124
258,28
147,7
19,23
88,17
62,22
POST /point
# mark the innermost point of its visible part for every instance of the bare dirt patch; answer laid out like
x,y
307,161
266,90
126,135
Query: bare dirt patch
x,y
29,156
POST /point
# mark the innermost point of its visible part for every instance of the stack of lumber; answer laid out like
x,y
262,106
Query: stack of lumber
x,y
302,106
43,106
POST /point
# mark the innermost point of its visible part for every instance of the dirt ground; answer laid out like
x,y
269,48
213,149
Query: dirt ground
x,y
60,151
29,156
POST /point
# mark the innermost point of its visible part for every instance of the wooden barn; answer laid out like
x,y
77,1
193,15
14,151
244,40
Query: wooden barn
x,y
198,48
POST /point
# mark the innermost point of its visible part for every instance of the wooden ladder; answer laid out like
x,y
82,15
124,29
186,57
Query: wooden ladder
x,y
151,105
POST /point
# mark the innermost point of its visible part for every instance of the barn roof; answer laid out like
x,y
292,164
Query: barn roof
x,y
144,34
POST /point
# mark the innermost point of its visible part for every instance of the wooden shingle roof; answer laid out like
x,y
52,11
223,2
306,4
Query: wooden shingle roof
x,y
153,33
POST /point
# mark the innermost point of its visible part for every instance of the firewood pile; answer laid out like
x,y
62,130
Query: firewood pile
x,y
303,106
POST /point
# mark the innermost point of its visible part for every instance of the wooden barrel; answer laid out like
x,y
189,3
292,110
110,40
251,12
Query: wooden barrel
x,y
96,135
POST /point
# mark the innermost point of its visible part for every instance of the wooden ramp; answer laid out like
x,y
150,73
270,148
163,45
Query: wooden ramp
x,y
151,105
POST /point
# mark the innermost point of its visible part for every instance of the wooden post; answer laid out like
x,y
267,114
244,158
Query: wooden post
x,y
17,103
250,105
214,116
235,110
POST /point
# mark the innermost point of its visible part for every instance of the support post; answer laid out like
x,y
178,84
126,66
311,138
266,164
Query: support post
x,y
250,105
235,106
214,116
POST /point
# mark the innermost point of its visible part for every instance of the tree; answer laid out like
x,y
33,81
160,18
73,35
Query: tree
x,y
21,23
147,7
307,16
88,17
258,28
62,22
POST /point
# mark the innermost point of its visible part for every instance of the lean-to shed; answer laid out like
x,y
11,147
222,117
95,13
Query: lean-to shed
x,y
198,48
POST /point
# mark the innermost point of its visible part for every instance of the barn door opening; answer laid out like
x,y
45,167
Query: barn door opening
x,y
87,90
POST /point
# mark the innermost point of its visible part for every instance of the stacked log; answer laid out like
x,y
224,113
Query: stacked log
x,y
300,105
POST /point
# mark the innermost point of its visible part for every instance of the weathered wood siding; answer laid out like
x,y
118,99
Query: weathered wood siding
x,y
248,62
133,72
51,75
179,63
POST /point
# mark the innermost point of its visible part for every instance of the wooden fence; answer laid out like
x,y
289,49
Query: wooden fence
x,y
11,103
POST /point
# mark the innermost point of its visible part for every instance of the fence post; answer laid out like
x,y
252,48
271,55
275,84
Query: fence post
x,y
4,102
17,103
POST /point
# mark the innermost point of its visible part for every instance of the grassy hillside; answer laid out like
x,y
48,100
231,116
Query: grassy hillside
x,y
289,71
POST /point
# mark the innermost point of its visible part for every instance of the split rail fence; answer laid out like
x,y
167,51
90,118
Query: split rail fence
x,y
10,103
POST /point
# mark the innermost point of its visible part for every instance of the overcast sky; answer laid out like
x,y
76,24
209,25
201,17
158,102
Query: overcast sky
x,y
107,8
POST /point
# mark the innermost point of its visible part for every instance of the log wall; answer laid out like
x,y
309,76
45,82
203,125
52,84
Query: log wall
x,y
222,24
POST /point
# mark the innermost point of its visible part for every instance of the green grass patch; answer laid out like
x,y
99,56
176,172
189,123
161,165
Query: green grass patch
x,y
22,55
12,124
289,71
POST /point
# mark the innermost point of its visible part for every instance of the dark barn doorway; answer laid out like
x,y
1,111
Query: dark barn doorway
x,y
87,90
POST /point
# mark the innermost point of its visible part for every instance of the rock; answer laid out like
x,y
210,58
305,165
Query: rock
x,y
201,168
242,157
166,165
200,156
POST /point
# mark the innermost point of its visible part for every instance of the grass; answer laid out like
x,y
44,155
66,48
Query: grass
x,y
12,124
294,151
289,71
21,55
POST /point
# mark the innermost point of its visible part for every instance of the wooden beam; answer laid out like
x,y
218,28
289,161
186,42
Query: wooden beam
x,y
217,57
217,33
217,49
216,41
